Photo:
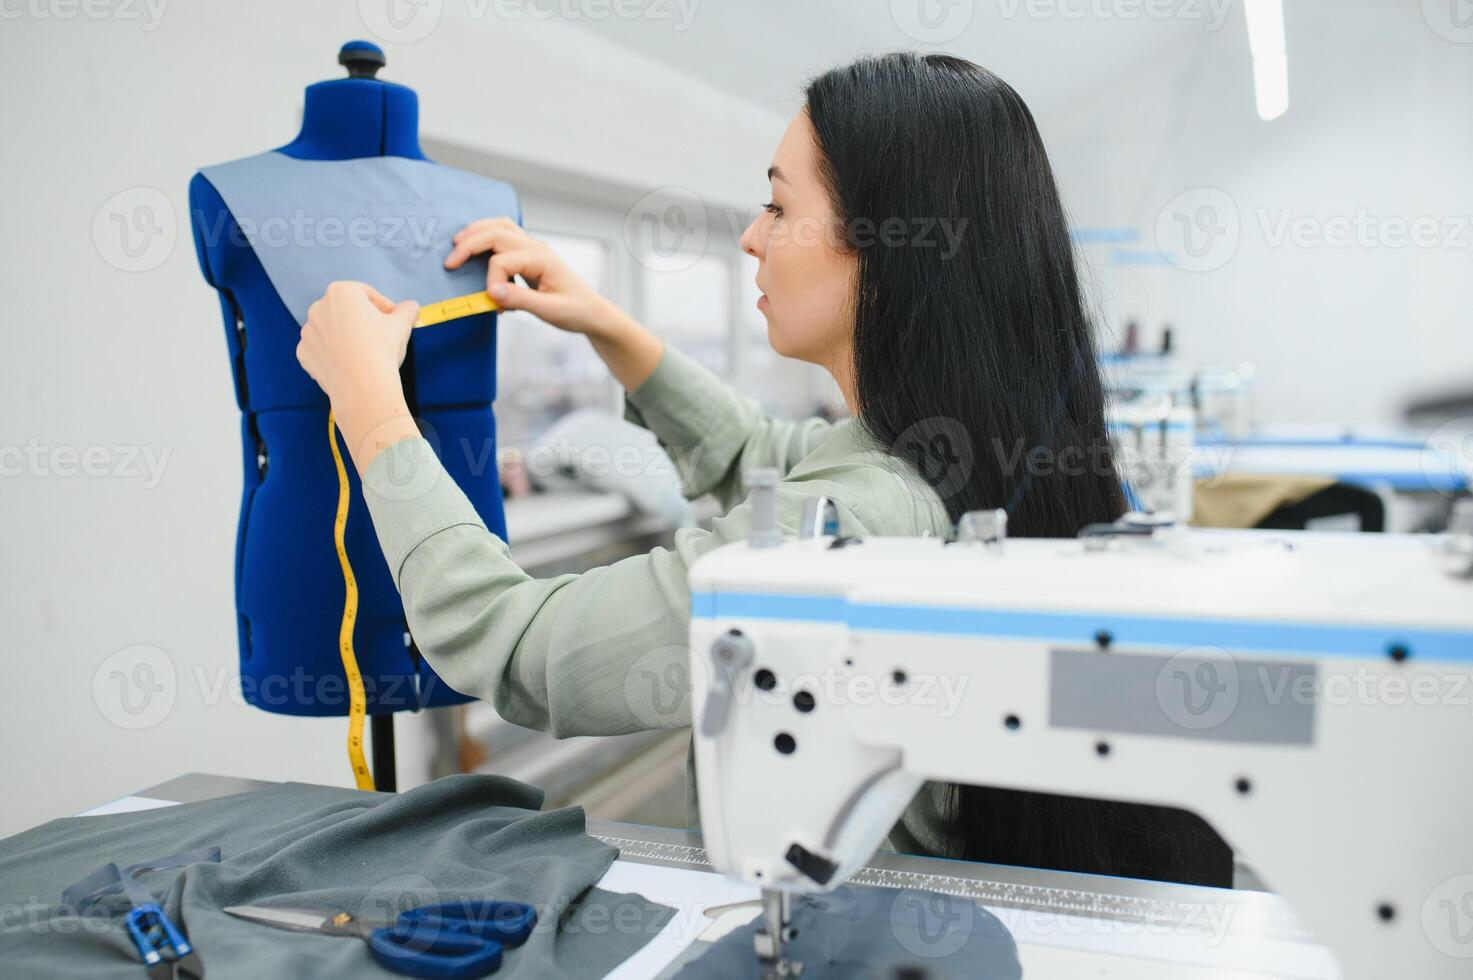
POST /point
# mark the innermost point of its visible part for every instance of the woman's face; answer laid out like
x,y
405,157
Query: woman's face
x,y
806,279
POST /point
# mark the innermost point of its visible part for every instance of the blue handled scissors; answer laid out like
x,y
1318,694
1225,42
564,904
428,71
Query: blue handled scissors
x,y
453,940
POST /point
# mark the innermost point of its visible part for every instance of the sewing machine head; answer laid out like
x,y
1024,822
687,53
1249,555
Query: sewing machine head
x,y
1225,673
1155,449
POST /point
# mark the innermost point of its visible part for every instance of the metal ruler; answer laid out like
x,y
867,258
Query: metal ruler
x,y
1151,904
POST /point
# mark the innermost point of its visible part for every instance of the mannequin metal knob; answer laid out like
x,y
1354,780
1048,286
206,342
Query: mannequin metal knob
x,y
361,58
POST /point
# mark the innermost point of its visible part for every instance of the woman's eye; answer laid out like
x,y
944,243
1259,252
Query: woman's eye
x,y
772,208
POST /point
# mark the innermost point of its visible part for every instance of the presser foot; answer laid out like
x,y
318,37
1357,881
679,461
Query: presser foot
x,y
775,931
780,968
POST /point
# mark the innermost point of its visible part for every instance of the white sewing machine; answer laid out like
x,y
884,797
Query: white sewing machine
x,y
1308,695
1220,399
1155,449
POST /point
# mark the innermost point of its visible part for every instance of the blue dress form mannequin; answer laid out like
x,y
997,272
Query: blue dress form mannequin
x,y
289,588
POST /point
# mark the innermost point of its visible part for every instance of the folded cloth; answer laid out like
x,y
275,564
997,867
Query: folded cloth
x,y
1244,499
330,850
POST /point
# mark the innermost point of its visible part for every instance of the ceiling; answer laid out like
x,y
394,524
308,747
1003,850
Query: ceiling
x,y
1050,50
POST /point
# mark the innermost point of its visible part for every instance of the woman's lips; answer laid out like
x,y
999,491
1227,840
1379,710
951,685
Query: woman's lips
x,y
762,303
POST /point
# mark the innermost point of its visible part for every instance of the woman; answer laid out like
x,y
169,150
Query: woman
x,y
916,248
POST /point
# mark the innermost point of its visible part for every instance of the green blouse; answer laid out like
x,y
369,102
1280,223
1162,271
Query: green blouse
x,y
574,654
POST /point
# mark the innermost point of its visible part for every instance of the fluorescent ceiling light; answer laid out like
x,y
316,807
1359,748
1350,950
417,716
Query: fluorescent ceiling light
x,y
1270,56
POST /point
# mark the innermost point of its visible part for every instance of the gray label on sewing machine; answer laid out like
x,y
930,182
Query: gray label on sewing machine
x,y
1203,692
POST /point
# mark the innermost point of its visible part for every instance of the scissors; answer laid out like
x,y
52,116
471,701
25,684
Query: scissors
x,y
455,940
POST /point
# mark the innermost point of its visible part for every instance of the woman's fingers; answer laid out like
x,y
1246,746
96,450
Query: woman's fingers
x,y
553,292
384,304
484,224
546,306
402,315
529,263
348,292
488,223
496,235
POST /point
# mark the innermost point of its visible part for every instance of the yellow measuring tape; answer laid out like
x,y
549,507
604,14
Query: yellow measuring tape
x,y
357,700
450,309
454,309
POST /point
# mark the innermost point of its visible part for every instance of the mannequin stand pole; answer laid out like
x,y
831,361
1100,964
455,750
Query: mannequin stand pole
x,y
382,745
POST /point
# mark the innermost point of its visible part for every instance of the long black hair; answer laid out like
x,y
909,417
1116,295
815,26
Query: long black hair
x,y
975,362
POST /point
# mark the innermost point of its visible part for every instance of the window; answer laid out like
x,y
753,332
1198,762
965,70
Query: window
x,y
691,308
542,372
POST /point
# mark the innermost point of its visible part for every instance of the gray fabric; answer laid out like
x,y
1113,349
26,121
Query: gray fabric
x,y
386,221
330,850
876,933
111,879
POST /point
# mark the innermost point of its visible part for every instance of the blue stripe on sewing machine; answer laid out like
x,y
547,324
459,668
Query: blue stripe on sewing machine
x,y
1169,426
1311,442
1317,639
1403,466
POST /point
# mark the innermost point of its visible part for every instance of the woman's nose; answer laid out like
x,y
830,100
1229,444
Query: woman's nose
x,y
751,238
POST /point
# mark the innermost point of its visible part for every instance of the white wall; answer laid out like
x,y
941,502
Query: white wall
x,y
1380,124
97,357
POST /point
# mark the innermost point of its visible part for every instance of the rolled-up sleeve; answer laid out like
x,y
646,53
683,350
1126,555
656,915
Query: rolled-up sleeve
x,y
711,431
601,653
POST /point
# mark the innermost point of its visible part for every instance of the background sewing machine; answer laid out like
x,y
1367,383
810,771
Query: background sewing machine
x,y
1302,693
1155,446
1175,423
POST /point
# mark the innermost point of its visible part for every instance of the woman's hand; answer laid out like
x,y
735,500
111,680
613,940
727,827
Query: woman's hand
x,y
352,345
354,340
557,295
